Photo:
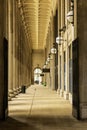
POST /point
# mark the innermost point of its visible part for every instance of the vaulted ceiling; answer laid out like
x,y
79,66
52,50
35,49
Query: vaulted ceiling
x,y
37,15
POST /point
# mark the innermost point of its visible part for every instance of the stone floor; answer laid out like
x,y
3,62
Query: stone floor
x,y
41,109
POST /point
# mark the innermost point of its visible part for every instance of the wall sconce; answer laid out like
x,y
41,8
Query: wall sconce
x,y
59,40
53,50
70,15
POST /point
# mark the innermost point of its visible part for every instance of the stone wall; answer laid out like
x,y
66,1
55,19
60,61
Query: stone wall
x,y
82,41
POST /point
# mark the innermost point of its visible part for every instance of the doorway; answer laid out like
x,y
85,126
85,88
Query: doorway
x,y
37,77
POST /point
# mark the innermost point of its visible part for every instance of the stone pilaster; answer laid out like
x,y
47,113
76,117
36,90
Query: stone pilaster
x,y
62,73
20,51
59,26
17,50
67,74
52,72
82,60
58,90
62,13
10,48
59,15
14,47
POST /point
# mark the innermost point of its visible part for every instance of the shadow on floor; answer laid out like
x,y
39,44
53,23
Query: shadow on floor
x,y
56,123
12,124
52,121
43,123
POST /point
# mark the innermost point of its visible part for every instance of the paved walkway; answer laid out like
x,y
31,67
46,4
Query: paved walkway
x,y
41,109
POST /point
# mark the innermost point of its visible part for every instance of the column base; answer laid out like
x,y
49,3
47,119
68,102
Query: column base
x,y
9,98
11,93
61,93
70,98
83,110
58,91
66,95
15,92
19,89
80,113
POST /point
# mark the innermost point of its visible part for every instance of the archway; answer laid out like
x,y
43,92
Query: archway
x,y
37,77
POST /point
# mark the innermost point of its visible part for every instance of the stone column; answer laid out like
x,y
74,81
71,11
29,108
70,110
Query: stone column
x,y
29,72
62,73
62,13
59,15
58,90
66,96
52,72
62,53
10,48
27,66
67,73
5,31
21,63
48,77
16,50
20,31
59,26
14,47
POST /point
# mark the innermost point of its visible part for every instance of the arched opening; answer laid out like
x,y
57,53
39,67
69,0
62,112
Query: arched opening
x,y
37,77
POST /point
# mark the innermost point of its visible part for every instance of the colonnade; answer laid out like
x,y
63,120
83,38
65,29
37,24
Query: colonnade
x,y
61,27
72,60
19,53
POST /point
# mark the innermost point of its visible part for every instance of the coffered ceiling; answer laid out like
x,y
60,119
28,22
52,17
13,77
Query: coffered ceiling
x,y
37,15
